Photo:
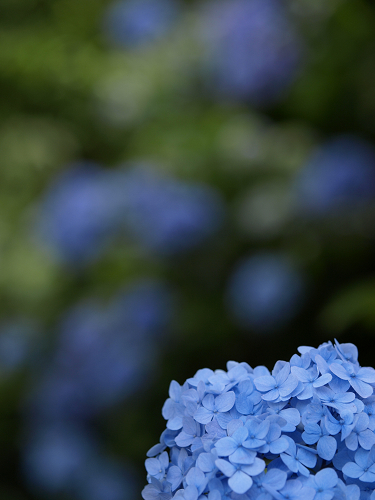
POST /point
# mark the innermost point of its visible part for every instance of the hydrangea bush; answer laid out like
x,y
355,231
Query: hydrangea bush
x,y
303,431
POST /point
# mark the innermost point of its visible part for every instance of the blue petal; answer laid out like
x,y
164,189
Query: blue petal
x,y
275,478
352,470
278,446
209,402
340,371
265,383
366,439
363,389
326,478
240,482
323,380
255,468
327,446
242,456
174,390
301,374
240,435
195,477
290,462
288,386
190,493
206,462
352,441
226,468
203,416
366,374
361,458
306,457
189,425
174,477
226,446
223,419
282,375
271,395
152,466
225,402
183,440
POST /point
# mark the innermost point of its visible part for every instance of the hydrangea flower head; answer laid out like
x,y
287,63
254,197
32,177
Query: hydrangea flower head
x,y
301,431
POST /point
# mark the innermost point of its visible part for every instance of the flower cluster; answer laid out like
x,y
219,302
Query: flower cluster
x,y
305,430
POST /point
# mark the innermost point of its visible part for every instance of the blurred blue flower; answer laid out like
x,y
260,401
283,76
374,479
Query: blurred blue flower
x,y
79,213
103,355
132,23
17,344
167,215
265,291
253,50
55,456
105,479
339,174
145,307
65,458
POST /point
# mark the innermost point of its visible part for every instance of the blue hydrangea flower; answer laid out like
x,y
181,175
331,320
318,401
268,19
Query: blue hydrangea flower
x,y
240,475
277,388
298,459
324,483
244,434
134,23
363,467
339,175
265,485
253,51
265,291
294,490
360,379
212,407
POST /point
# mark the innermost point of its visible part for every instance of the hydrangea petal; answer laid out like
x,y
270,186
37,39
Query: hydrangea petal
x,y
240,482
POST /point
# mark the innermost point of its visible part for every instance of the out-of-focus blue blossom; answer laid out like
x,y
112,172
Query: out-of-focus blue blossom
x,y
103,355
302,453
133,23
78,213
17,343
64,458
55,455
265,291
339,175
145,307
253,50
105,479
167,215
